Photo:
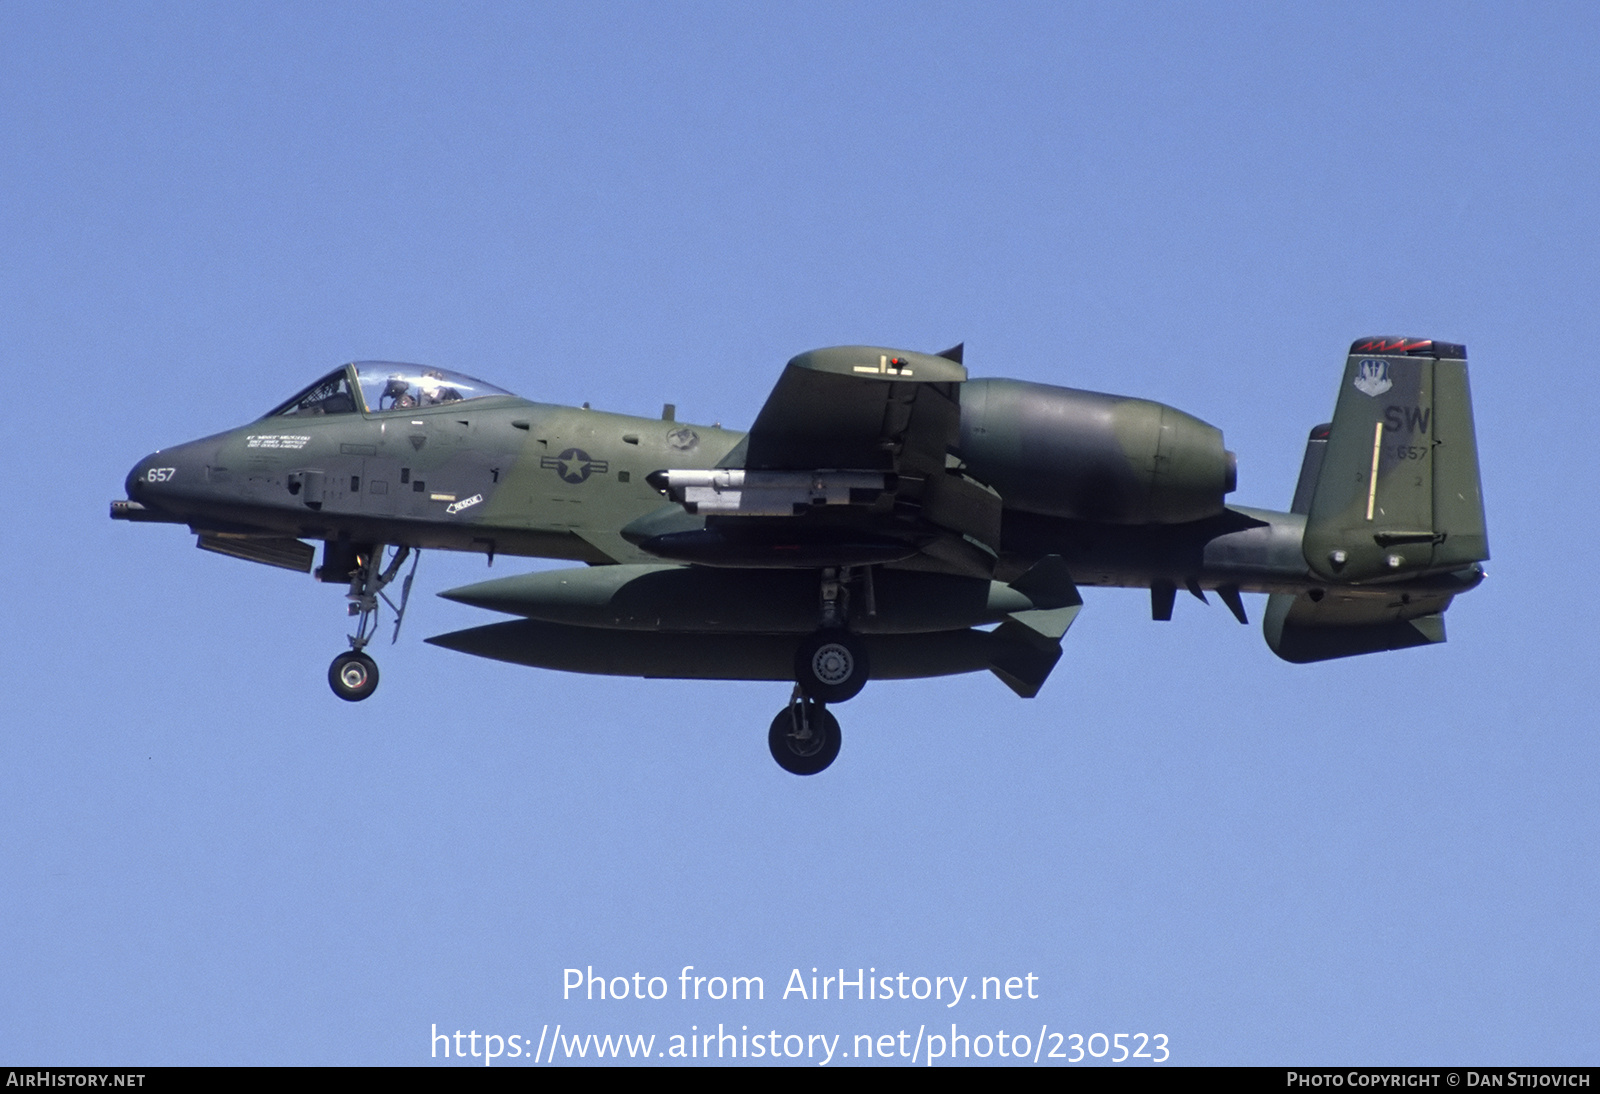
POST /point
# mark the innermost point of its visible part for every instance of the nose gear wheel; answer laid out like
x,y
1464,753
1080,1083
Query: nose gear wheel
x,y
353,676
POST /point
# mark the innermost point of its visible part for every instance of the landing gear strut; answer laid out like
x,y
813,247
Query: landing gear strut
x,y
353,675
804,737
830,666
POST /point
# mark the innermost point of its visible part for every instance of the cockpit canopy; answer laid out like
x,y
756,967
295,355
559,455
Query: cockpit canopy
x,y
383,385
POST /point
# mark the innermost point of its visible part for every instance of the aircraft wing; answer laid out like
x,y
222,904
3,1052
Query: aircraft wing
x,y
862,408
850,462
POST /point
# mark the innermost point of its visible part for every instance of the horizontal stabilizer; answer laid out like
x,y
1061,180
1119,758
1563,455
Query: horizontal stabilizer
x,y
1345,623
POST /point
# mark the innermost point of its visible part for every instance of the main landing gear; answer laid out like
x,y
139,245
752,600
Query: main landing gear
x,y
830,666
353,675
804,737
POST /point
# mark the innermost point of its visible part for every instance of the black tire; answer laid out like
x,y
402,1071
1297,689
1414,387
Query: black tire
x,y
831,666
353,676
804,756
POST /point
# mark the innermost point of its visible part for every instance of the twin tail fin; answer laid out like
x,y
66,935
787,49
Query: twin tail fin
x,y
1392,496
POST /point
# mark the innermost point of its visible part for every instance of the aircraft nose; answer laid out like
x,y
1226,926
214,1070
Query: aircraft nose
x,y
170,473
135,481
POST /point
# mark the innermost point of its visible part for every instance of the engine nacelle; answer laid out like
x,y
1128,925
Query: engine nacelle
x,y
1087,456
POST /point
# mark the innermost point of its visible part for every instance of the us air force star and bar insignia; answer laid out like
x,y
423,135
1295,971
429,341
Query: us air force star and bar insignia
x,y
1373,379
574,465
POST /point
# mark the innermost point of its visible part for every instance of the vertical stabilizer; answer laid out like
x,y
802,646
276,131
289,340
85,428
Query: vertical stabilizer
x,y
1398,491
1310,467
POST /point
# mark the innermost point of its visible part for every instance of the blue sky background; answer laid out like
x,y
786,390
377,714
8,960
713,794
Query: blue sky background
x,y
205,857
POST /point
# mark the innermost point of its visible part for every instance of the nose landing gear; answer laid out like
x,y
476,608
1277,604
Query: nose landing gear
x,y
353,675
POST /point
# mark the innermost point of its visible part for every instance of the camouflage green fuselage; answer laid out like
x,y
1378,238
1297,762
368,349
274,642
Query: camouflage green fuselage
x,y
512,477
498,475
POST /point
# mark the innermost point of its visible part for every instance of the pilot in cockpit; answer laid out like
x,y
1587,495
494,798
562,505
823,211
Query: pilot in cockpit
x,y
435,391
396,395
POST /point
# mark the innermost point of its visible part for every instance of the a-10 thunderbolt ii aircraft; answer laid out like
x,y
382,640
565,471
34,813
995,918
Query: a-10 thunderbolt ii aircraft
x,y
884,516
